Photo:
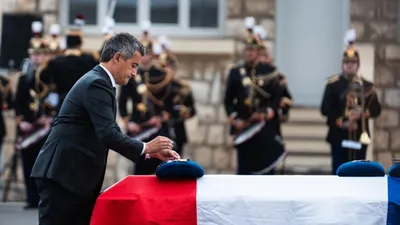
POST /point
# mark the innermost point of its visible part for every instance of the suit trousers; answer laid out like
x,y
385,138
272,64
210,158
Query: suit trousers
x,y
61,207
342,155
28,157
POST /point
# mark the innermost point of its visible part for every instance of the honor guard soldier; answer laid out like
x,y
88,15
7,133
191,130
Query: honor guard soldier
x,y
348,102
28,109
6,104
146,39
172,62
252,99
64,70
286,100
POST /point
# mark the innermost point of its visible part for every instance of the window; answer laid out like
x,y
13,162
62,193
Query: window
x,y
169,17
203,13
164,11
88,8
125,11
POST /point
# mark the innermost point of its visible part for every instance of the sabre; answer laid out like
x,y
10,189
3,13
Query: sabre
x,y
111,9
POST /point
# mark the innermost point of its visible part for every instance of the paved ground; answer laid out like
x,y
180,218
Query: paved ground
x,y
13,214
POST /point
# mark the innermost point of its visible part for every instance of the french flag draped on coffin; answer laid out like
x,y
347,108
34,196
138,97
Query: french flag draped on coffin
x,y
255,200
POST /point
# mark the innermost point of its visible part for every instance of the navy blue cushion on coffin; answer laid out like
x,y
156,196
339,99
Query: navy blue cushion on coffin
x,y
361,168
394,171
179,169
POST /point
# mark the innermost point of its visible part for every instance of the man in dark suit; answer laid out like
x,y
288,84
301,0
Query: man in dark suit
x,y
70,168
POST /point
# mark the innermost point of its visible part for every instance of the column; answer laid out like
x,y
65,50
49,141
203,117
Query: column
x,y
309,44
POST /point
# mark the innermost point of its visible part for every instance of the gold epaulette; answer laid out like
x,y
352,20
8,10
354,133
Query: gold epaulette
x,y
332,79
182,83
184,88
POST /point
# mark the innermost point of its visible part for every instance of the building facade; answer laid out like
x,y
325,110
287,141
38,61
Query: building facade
x,y
205,36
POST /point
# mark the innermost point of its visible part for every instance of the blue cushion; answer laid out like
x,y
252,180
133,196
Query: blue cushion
x,y
394,171
179,169
361,168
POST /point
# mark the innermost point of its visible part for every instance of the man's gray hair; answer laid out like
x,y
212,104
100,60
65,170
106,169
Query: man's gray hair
x,y
124,43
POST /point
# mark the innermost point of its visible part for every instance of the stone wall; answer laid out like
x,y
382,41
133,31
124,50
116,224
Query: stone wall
x,y
376,22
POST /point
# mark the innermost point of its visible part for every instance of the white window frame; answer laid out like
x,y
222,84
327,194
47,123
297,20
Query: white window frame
x,y
182,29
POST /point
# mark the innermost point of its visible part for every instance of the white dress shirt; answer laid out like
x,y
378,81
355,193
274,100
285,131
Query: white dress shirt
x,y
113,84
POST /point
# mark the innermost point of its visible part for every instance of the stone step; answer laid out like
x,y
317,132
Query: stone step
x,y
312,131
306,115
302,164
307,147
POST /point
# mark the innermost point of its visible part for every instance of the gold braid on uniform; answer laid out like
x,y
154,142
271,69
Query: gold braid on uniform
x,y
38,82
159,102
155,88
74,52
332,79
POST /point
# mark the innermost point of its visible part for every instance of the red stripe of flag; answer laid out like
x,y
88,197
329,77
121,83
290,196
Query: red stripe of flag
x,y
145,200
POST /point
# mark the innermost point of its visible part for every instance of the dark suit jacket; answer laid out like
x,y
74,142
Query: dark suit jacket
x,y
75,153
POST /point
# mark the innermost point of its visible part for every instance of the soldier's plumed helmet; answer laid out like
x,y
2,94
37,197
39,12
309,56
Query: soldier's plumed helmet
x,y
361,168
54,44
179,169
351,54
74,36
37,44
147,44
146,41
252,41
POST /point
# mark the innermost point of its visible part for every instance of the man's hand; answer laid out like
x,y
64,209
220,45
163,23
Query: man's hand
x,y
158,144
165,155
155,121
132,127
354,115
270,114
165,116
239,124
257,117
367,114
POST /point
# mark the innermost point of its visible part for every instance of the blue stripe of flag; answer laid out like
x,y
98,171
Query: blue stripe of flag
x,y
393,215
